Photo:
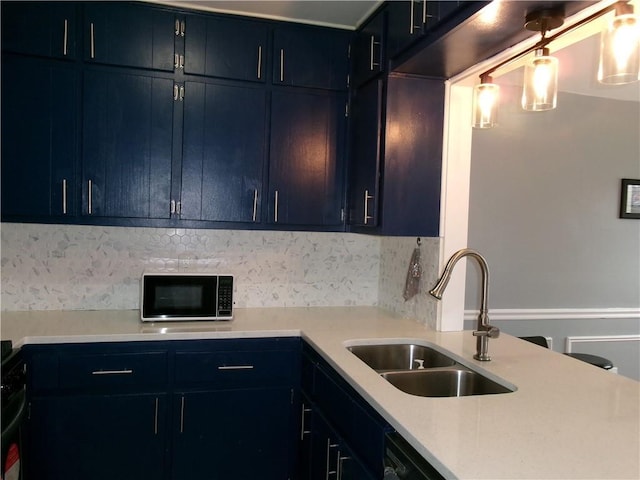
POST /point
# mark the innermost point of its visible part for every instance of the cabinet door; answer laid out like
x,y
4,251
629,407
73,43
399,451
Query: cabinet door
x,y
405,24
39,133
127,145
100,437
39,28
225,47
306,166
223,152
366,145
413,157
311,57
242,434
367,50
331,457
129,35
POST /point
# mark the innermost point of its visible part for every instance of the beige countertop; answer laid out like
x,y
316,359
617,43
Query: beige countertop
x,y
566,420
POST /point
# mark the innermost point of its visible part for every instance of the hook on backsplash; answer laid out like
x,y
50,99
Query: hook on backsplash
x,y
419,241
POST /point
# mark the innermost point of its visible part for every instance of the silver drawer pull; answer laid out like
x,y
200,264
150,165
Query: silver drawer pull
x,y
236,367
112,372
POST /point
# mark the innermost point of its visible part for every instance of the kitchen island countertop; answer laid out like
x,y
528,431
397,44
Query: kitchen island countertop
x,y
566,420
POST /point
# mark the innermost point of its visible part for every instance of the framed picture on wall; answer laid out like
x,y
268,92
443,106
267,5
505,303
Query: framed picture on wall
x,y
630,198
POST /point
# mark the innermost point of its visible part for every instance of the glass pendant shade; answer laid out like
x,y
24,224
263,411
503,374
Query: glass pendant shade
x,y
485,105
620,51
540,91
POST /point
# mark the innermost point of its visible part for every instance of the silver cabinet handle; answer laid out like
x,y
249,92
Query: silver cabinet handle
x,y
373,44
340,460
259,62
411,17
329,447
175,207
92,40
178,92
367,197
179,28
178,61
90,195
275,214
255,205
303,432
424,12
282,65
182,414
155,419
125,371
64,196
235,367
65,38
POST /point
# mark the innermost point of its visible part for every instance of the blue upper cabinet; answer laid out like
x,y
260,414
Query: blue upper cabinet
x,y
129,35
368,49
306,166
46,29
127,144
396,154
366,147
39,139
223,152
225,47
310,57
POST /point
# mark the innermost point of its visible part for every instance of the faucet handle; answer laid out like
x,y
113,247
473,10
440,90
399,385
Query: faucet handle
x,y
491,332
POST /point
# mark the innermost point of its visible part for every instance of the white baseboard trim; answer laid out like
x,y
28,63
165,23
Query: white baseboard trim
x,y
571,341
557,313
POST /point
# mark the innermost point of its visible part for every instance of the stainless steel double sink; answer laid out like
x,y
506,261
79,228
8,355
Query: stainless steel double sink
x,y
423,371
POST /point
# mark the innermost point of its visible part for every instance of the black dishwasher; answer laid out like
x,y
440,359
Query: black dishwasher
x,y
402,462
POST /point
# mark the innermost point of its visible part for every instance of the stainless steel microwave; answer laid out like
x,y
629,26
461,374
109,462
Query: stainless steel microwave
x,y
172,296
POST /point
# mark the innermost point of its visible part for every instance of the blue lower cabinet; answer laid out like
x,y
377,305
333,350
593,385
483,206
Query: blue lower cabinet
x,y
341,436
243,434
331,456
128,411
101,437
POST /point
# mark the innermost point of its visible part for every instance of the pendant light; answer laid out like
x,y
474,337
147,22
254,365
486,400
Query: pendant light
x,y
620,48
485,103
540,90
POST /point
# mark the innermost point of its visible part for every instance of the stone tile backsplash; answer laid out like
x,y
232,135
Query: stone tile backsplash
x,y
70,267
62,267
395,257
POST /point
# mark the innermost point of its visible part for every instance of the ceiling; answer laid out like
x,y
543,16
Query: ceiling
x,y
346,14
578,61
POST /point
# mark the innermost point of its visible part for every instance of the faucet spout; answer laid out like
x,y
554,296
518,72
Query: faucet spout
x,y
483,331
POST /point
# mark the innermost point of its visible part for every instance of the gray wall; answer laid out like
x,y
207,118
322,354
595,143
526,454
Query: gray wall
x,y
544,201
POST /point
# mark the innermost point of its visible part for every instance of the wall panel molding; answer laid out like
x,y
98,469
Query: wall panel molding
x,y
557,314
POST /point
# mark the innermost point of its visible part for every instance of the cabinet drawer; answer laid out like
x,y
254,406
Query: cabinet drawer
x,y
121,370
235,368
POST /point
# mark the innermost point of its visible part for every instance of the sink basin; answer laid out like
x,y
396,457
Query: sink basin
x,y
423,371
444,383
400,356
